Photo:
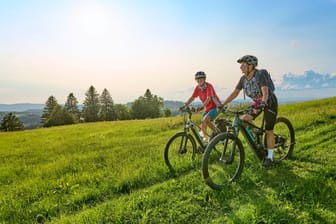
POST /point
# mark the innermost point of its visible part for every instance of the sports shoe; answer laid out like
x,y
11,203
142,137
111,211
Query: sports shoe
x,y
201,134
268,163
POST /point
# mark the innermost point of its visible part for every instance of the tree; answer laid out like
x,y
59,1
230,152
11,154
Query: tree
x,y
71,106
91,105
147,106
106,107
59,116
10,122
167,112
49,107
122,112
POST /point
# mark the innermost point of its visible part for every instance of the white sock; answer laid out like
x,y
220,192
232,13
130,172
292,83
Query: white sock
x,y
270,154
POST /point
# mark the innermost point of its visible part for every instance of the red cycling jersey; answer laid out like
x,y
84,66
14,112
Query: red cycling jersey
x,y
203,94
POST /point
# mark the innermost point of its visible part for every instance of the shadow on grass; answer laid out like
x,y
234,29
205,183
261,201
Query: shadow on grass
x,y
280,195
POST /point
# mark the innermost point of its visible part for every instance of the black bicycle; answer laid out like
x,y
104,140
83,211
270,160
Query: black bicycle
x,y
223,159
182,147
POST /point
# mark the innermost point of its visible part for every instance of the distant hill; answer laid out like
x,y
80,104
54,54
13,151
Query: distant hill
x,y
20,107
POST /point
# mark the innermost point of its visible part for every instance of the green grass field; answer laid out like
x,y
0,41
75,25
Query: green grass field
x,y
114,172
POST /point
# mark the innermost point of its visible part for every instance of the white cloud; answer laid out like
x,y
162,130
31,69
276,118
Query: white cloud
x,y
308,80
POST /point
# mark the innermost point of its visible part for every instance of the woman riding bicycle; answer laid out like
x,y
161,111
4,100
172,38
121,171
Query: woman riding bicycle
x,y
257,89
206,92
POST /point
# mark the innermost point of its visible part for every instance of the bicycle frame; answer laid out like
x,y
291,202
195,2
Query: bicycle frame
x,y
224,157
255,144
189,124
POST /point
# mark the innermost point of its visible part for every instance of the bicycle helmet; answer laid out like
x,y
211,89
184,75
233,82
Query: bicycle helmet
x,y
200,75
249,59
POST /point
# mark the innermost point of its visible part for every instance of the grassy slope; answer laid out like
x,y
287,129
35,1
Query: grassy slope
x,y
113,172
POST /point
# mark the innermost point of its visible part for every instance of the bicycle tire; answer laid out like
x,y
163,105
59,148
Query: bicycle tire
x,y
284,139
180,152
218,170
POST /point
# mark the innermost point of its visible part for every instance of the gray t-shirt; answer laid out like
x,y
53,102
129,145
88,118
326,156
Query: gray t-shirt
x,y
252,87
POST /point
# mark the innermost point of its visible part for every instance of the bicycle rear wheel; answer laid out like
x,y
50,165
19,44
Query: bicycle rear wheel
x,y
180,152
284,139
223,161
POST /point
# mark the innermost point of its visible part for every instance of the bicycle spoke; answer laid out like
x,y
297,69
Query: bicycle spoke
x,y
222,162
284,139
180,152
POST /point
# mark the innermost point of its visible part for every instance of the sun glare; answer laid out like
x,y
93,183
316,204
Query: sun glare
x,y
91,19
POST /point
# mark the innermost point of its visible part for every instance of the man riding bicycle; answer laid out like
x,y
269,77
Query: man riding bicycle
x,y
257,89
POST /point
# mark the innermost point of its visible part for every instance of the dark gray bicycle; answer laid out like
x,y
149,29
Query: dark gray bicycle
x,y
182,147
223,159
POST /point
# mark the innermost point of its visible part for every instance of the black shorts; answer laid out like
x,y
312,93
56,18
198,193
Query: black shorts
x,y
271,112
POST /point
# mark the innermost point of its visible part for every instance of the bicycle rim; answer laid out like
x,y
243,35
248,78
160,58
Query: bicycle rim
x,y
180,152
284,139
223,161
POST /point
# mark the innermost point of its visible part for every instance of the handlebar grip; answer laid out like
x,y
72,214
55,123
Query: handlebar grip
x,y
193,109
222,108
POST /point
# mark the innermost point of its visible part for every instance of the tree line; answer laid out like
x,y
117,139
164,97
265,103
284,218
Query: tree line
x,y
100,108
96,107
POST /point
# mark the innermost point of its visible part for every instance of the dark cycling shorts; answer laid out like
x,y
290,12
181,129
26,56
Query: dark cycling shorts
x,y
271,112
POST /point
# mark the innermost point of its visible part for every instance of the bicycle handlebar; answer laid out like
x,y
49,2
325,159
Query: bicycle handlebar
x,y
224,109
187,109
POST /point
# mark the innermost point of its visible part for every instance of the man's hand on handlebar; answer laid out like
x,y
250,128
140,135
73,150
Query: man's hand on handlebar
x,y
182,108
198,109
261,105
222,108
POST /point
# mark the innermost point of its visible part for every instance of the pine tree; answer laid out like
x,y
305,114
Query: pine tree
x,y
106,107
91,105
10,122
59,116
147,106
49,107
71,106
167,112
122,112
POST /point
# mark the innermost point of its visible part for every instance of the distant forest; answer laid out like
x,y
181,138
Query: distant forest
x,y
36,118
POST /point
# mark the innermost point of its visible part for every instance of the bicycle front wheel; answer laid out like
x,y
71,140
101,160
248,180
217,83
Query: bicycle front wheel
x,y
223,161
180,152
284,139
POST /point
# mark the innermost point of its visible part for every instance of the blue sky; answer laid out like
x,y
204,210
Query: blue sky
x,y
58,47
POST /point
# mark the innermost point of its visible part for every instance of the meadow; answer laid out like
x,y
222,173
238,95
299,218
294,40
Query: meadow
x,y
114,172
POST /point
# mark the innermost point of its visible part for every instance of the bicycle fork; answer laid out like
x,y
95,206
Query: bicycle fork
x,y
183,143
229,160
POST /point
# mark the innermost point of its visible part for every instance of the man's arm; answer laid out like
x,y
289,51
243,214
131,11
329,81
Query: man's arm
x,y
232,96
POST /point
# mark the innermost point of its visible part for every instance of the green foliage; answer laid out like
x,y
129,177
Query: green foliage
x,y
113,172
71,106
91,105
106,107
10,122
59,116
167,112
49,107
147,106
122,112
